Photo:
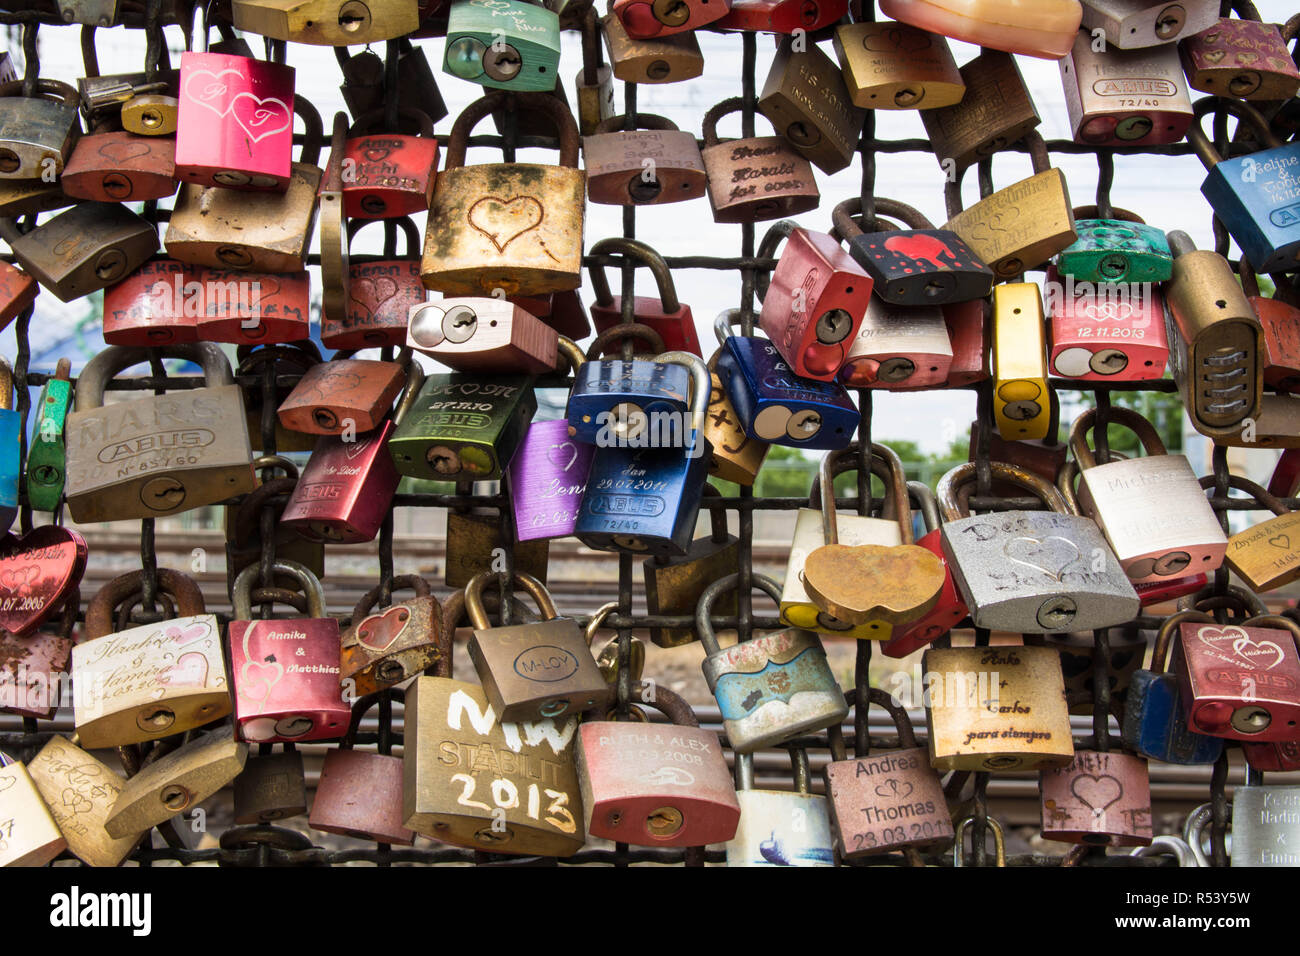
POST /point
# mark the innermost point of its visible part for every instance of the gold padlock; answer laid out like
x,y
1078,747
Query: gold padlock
x,y
337,23
175,783
80,792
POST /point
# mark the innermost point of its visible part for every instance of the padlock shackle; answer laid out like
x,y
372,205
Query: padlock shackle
x,y
1167,845
927,504
410,233
6,384
266,462
650,121
310,586
1291,29
964,474
115,358
704,609
701,391
400,582
593,57
1180,243
1208,599
847,227
1239,108
598,620
847,464
896,485
897,713
1160,652
717,516
302,355
730,105
46,89
1128,418
410,392
570,353
1038,157
644,256
359,711
800,770
1120,215
1256,491
625,330
364,123
313,130
248,516
722,324
478,618
332,180
182,587
776,233
999,842
518,102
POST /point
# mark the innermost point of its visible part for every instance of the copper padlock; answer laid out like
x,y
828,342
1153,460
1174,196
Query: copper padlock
x,y
1100,798
121,167
341,394
381,289
756,178
148,307
653,163
384,648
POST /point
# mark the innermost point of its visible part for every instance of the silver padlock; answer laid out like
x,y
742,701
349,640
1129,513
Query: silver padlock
x,y
1265,824
780,827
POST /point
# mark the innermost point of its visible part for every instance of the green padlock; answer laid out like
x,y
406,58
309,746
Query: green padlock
x,y
1118,248
503,44
46,457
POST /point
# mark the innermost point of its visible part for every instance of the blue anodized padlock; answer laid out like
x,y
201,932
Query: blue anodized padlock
x,y
644,488
626,395
10,424
1155,719
774,404
1256,196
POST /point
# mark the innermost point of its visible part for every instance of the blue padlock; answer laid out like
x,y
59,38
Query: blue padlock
x,y
1155,719
1256,196
10,425
643,493
775,405
621,399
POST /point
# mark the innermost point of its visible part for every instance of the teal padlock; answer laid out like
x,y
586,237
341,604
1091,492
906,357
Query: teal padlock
x,y
503,44
47,455
1117,248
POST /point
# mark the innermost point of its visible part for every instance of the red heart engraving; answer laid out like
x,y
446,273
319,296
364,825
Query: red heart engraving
x,y
36,573
370,294
378,632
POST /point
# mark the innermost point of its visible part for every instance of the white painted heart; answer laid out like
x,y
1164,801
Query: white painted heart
x,y
270,113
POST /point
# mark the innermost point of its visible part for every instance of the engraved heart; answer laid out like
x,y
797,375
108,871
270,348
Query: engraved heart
x,y
119,151
190,670
376,154
1213,56
892,789
257,678
1051,555
37,571
1255,653
505,220
351,449
1097,792
563,455
370,293
895,40
1282,541
1101,311
76,802
194,631
867,583
258,117
378,632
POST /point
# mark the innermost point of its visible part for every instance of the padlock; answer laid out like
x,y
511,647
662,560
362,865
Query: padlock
x,y
1045,31
234,123
1278,318
643,19
1022,397
1037,457
47,454
917,266
335,242
782,16
533,671
326,22
244,524
653,163
161,454
175,783
150,681
674,585
594,84
1117,248
547,476
461,427
37,132
756,178
950,609
899,347
346,489
11,426
287,363
17,293
151,114
1155,719
255,231
871,793
1152,509
383,648
1263,555
343,394
102,98
780,827
271,787
98,13
1101,798
391,174
996,708
80,791
1252,194
254,308
1242,58
1264,824
1031,572
1022,226
562,311
34,667
995,112
30,197
364,87
475,539
1240,681
736,456
959,844
120,167
482,334
157,304
615,399
83,249
1134,24
503,44
812,531
647,476
662,785
1118,97
31,836
670,59
39,569
359,793
969,332
807,102
285,672
668,317
1216,351
815,302
892,66
1105,332
516,226
770,689
381,292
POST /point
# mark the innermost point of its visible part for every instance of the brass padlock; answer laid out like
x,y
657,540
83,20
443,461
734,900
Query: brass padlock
x,y
30,835
473,536
893,66
755,178
654,162
805,98
735,456
669,59
995,112
80,792
270,787
37,132
150,114
327,22
252,231
175,783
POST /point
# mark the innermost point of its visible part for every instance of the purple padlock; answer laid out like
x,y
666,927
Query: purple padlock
x,y
547,476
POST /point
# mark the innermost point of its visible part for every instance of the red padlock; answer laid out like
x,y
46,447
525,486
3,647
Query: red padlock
x,y
120,167
253,308
386,175
643,19
950,609
158,304
1157,592
781,16
18,292
1286,474
1282,756
562,311
1100,332
1281,322
815,302
381,292
670,318
346,490
968,331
